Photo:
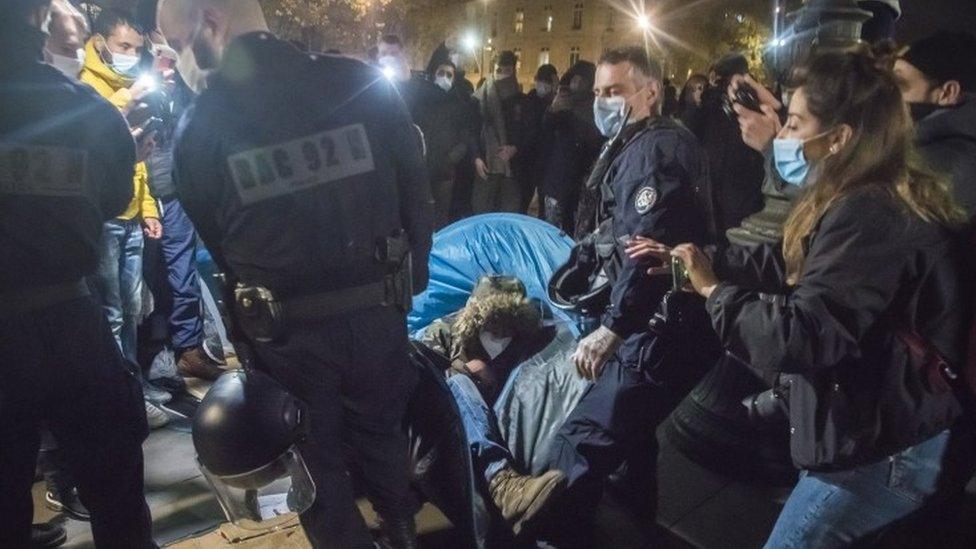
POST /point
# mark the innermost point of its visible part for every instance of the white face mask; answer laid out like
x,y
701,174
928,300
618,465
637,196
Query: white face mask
x,y
543,88
493,344
444,82
69,66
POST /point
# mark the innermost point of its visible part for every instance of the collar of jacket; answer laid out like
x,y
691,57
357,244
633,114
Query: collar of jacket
x,y
246,54
958,122
94,65
21,44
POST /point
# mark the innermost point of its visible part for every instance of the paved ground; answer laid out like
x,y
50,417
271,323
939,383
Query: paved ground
x,y
698,508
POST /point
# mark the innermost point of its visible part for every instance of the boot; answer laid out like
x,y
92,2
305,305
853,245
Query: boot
x,y
521,497
195,363
398,534
46,535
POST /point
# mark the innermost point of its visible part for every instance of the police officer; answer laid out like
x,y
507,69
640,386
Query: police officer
x,y
66,166
652,173
297,170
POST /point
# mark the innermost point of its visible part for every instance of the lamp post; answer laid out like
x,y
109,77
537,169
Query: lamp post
x,y
818,26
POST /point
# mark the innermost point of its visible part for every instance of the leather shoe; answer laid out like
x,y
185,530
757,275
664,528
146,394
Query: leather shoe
x,y
195,363
398,534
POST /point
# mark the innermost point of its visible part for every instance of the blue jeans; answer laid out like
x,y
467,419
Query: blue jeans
x,y
118,281
840,509
481,427
180,299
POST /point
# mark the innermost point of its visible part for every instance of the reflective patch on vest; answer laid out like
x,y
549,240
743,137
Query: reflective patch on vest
x,y
285,168
646,197
37,170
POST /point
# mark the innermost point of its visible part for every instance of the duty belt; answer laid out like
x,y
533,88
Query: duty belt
x,y
35,298
264,318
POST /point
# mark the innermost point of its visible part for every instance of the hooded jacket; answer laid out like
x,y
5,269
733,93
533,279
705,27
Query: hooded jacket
x,y
947,141
115,87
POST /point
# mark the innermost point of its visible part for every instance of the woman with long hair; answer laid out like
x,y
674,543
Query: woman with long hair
x,y
845,316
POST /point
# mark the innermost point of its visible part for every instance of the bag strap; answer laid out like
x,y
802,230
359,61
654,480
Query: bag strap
x,y
937,370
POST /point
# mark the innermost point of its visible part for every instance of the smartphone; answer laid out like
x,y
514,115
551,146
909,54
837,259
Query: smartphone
x,y
152,124
679,274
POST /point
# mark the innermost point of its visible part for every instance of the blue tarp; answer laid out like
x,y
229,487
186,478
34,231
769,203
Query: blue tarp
x,y
508,244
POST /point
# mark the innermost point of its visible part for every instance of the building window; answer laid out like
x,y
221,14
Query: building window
x,y
578,16
547,19
543,56
574,55
519,20
494,25
518,59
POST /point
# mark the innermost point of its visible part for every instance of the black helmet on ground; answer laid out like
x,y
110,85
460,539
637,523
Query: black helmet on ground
x,y
245,432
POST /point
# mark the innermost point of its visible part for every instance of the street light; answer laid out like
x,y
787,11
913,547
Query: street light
x,y
644,22
469,42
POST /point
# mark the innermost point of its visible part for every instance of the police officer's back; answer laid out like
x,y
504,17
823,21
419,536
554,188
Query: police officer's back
x,y
299,171
66,166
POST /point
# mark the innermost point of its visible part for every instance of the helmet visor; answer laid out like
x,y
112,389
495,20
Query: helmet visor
x,y
271,496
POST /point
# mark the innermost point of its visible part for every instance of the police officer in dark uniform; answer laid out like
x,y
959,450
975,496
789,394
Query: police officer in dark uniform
x,y
66,166
652,172
305,178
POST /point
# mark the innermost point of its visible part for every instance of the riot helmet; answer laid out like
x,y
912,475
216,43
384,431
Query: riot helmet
x,y
246,433
582,284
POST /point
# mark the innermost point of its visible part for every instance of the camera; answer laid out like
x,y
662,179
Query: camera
x,y
745,96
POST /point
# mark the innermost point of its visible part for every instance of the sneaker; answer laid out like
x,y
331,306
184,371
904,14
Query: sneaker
x,y
61,499
154,394
522,497
156,417
195,363
47,535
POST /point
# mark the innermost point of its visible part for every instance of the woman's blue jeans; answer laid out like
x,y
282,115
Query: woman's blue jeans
x,y
839,509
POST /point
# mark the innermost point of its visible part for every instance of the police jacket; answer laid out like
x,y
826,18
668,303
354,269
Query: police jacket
x,y
655,180
871,268
295,167
66,166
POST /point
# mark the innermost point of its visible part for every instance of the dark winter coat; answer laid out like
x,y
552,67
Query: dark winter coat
x,y
870,267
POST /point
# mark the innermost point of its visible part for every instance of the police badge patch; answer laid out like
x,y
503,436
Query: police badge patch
x,y
646,197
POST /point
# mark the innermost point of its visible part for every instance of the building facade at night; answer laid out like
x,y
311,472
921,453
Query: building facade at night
x,y
559,32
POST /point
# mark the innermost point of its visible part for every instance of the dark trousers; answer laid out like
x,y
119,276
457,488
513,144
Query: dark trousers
x,y
172,274
354,374
62,367
614,423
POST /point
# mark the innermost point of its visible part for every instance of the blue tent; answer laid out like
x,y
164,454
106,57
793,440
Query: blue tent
x,y
509,244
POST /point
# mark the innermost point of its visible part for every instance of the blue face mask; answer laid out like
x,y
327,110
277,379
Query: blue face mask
x,y
126,65
608,113
791,162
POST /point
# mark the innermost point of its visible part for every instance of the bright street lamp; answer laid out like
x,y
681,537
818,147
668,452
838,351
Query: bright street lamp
x,y
644,22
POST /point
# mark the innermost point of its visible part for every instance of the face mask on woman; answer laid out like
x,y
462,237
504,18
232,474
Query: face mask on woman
x,y
543,88
791,160
608,113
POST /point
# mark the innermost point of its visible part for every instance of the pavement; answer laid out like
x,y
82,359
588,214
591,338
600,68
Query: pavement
x,y
697,508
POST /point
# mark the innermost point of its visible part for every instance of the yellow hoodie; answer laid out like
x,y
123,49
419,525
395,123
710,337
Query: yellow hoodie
x,y
115,87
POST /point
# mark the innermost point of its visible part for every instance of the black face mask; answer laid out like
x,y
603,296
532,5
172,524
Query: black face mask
x,y
920,111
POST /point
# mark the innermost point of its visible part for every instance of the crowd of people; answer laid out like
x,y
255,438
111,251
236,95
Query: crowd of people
x,y
858,311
